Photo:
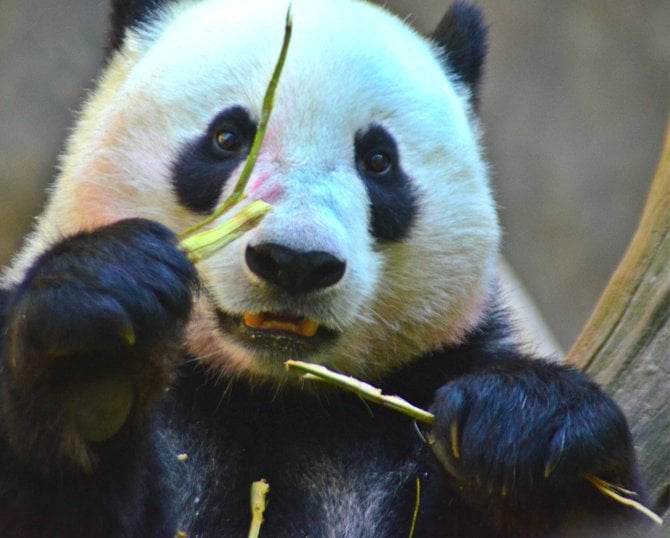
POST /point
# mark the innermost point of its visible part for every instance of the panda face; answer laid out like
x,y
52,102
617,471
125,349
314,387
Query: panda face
x,y
383,233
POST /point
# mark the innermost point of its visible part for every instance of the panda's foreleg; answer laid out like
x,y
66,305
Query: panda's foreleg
x,y
90,340
519,436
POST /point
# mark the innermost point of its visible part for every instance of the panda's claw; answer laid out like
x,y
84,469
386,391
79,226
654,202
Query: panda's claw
x,y
482,443
556,451
128,335
455,442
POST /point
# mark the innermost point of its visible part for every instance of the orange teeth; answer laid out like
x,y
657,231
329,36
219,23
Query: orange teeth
x,y
253,321
302,326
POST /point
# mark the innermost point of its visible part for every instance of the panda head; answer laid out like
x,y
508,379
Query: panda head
x,y
383,235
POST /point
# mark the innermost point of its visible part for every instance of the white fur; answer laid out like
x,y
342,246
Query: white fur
x,y
350,64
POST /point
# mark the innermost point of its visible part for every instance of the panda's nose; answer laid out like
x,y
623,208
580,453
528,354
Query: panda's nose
x,y
294,271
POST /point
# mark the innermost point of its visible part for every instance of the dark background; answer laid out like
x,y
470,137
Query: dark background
x,y
575,105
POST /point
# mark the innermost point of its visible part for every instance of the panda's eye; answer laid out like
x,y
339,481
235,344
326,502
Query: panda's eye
x,y
227,142
377,163
376,154
230,134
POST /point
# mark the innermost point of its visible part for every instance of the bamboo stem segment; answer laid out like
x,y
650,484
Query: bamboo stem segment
x,y
362,389
615,492
259,492
203,244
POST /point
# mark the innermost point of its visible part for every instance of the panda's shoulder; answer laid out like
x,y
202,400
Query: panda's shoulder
x,y
491,341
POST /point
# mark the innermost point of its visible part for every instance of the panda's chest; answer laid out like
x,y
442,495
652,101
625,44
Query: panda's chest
x,y
328,477
335,498
311,495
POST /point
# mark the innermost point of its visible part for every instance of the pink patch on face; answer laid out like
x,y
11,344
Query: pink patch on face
x,y
262,189
256,183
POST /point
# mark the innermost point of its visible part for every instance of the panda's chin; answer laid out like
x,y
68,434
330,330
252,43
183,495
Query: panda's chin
x,y
276,337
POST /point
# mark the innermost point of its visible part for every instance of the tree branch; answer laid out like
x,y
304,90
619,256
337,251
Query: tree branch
x,y
625,345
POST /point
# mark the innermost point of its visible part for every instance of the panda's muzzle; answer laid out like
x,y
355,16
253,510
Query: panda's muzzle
x,y
298,277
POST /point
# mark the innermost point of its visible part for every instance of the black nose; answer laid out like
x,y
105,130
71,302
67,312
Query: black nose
x,y
294,271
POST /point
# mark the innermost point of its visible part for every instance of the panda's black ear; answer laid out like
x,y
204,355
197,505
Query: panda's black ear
x,y
463,35
126,14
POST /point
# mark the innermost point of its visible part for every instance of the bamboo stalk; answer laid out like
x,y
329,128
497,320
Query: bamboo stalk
x,y
615,492
259,491
201,240
203,244
362,389
417,505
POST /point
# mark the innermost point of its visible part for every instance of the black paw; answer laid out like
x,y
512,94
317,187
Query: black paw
x,y
526,436
93,332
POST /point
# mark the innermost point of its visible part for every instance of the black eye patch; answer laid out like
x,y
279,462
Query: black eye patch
x,y
203,167
392,198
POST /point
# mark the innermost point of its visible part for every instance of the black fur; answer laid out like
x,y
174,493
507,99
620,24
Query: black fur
x,y
392,198
463,35
129,14
201,170
100,310
322,451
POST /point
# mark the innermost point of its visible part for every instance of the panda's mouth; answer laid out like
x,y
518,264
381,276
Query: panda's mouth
x,y
279,335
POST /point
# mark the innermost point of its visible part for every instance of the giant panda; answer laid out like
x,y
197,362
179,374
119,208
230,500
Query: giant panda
x,y
142,395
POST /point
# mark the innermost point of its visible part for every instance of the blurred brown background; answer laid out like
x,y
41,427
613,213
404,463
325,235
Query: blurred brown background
x,y
575,105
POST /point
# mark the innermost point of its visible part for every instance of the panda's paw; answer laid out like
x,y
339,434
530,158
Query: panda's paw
x,y
92,334
528,440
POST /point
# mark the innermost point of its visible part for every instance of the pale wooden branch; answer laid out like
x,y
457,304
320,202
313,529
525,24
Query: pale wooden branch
x,y
625,345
